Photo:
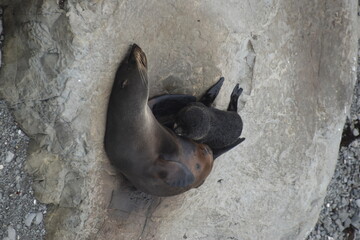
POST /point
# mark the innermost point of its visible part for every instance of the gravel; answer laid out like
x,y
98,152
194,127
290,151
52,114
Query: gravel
x,y
21,216
1,34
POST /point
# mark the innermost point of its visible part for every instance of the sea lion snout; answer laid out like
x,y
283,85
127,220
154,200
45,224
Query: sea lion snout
x,y
179,130
139,56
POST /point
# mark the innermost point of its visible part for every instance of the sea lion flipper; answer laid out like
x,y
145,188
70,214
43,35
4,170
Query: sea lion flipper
x,y
169,103
234,98
175,174
165,107
208,98
218,152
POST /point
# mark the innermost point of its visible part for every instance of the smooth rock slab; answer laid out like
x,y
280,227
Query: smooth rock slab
x,y
295,61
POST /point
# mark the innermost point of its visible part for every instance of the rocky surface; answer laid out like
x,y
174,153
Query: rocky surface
x,y
1,34
340,215
297,84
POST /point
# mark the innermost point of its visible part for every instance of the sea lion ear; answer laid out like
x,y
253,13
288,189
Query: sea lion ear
x,y
174,174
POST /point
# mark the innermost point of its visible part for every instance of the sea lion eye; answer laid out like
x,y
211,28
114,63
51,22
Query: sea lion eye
x,y
197,166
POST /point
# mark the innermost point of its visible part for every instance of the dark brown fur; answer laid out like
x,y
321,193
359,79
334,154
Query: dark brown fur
x,y
153,158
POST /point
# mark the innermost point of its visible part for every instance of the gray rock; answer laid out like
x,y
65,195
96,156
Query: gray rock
x,y
355,220
297,88
356,132
29,219
11,233
9,157
38,218
358,202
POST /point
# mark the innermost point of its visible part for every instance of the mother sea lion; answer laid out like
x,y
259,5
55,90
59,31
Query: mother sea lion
x,y
150,156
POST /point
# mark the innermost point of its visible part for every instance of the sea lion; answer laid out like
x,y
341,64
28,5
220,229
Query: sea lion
x,y
218,129
205,124
151,157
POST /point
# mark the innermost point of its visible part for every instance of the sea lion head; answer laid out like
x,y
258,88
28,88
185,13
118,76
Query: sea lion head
x,y
199,160
193,122
138,57
186,168
132,67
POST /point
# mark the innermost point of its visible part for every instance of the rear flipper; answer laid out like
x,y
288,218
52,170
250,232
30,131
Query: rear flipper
x,y
208,98
165,107
234,98
218,152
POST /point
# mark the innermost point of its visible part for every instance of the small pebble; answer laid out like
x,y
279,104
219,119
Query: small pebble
x,y
355,144
39,218
339,224
347,222
355,221
1,167
29,218
358,203
11,233
356,132
9,157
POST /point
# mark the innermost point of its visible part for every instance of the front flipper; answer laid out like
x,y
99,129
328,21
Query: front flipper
x,y
218,152
165,107
174,174
208,98
234,98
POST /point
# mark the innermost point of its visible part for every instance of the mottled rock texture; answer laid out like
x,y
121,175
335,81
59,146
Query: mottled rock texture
x,y
295,61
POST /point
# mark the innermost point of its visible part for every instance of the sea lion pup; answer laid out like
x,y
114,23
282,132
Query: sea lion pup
x,y
166,107
220,130
205,124
151,157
